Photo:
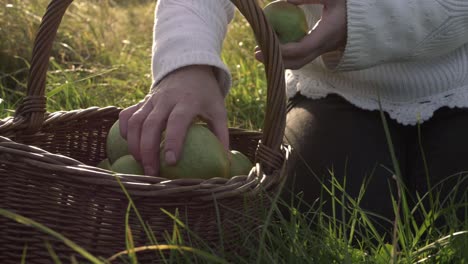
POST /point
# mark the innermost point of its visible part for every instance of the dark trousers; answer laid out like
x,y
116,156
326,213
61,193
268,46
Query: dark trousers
x,y
330,136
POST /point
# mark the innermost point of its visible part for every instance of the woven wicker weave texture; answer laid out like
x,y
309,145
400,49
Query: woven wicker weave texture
x,y
47,169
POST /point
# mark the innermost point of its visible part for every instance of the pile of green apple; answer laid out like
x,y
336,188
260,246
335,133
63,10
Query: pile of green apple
x,y
203,156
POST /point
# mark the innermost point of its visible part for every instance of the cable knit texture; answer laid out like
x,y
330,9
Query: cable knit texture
x,y
407,57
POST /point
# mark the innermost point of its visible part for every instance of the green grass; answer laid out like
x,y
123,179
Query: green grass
x,y
102,57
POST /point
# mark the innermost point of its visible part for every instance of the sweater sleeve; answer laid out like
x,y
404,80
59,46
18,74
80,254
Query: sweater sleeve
x,y
381,31
190,32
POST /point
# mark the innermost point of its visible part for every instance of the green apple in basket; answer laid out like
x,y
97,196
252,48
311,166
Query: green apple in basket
x,y
127,164
288,20
116,145
104,164
240,164
119,158
203,157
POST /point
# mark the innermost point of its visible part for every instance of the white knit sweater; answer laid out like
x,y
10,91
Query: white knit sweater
x,y
411,55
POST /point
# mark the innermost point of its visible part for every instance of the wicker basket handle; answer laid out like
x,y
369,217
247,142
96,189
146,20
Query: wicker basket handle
x,y
32,110
275,116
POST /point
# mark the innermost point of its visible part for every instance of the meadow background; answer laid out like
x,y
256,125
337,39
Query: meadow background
x,y
102,57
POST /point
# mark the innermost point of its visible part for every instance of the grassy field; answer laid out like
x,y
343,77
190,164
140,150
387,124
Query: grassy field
x,y
102,57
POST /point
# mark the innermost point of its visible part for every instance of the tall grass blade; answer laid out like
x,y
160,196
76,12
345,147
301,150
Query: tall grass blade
x,y
29,222
143,225
129,237
209,257
52,253
23,255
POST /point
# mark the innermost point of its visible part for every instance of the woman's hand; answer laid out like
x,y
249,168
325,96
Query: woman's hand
x,y
181,96
329,34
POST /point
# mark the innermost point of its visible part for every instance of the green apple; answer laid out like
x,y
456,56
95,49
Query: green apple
x,y
104,164
288,21
240,164
127,164
203,157
116,145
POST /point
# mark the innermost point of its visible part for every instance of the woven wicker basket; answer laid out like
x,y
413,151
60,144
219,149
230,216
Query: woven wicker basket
x,y
47,170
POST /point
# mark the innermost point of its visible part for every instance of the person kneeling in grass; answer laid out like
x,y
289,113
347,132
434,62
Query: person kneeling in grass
x,y
362,62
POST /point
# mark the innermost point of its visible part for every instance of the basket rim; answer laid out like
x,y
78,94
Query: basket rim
x,y
47,165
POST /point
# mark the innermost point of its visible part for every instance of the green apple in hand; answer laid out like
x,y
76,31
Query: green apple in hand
x,y
203,157
288,21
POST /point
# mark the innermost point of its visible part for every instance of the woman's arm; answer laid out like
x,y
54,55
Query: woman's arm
x,y
190,32
189,80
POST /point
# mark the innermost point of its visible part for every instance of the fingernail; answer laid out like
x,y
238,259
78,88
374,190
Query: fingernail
x,y
170,158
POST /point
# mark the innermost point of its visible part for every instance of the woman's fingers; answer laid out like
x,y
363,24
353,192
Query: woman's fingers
x,y
177,126
151,132
218,125
297,54
319,41
125,115
181,96
135,124
329,34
